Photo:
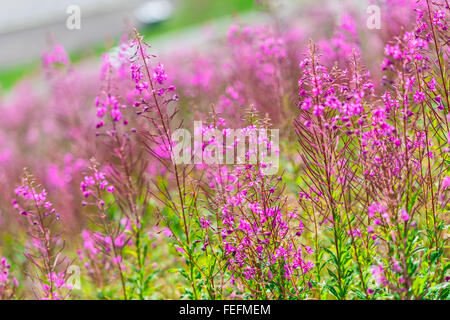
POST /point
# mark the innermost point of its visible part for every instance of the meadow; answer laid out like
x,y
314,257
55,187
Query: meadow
x,y
321,169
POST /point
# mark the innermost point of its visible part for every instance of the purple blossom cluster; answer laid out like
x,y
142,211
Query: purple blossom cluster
x,y
357,208
8,283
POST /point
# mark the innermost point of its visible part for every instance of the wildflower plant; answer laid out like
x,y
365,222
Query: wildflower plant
x,y
154,104
45,247
103,248
8,284
386,161
320,170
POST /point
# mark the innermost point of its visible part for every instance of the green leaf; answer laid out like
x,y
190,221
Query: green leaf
x,y
413,201
435,255
333,291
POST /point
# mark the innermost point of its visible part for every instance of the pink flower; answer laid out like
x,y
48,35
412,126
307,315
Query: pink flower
x,y
180,250
159,74
378,273
205,223
55,56
419,97
445,183
404,215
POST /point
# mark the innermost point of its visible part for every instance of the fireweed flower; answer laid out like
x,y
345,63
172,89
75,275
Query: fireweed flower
x,y
204,222
45,249
404,215
126,93
338,113
372,168
8,284
147,95
419,97
378,274
102,249
257,235
446,183
342,43
56,56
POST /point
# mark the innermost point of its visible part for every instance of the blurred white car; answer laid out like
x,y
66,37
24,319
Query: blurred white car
x,y
153,12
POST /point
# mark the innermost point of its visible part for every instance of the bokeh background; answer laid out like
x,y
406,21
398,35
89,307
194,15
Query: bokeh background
x,y
28,27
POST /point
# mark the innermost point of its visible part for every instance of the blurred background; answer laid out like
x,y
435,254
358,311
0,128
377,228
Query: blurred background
x,y
28,27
